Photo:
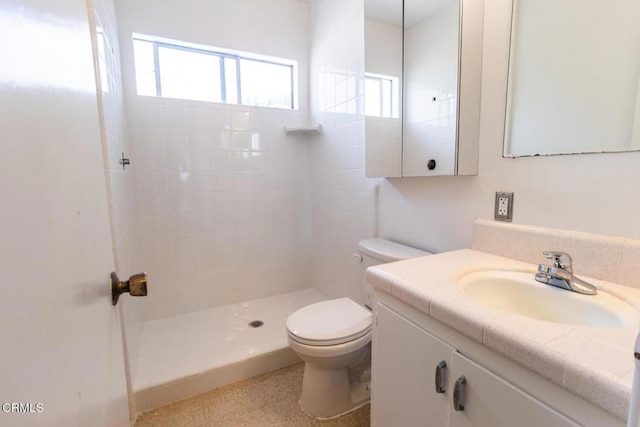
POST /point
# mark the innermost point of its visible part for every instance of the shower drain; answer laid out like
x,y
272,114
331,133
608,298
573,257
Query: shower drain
x,y
256,323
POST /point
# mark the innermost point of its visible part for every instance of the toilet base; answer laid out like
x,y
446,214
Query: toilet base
x,y
329,406
329,391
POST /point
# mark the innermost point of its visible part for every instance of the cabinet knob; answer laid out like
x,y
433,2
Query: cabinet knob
x,y
440,376
459,393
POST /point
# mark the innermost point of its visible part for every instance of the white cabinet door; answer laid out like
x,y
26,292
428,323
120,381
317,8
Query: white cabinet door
x,y
489,401
61,362
404,361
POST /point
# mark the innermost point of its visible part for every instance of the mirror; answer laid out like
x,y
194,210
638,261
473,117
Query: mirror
x,y
426,60
383,87
431,40
574,71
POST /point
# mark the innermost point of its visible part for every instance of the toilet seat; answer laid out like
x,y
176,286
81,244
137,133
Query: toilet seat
x,y
329,322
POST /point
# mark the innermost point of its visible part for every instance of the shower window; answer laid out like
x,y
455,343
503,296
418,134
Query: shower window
x,y
184,71
381,95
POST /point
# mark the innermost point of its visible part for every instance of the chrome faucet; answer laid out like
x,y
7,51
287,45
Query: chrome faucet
x,y
560,274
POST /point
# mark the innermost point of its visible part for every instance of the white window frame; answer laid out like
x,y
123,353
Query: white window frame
x,y
394,93
222,54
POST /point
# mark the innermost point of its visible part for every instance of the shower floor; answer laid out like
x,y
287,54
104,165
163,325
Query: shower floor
x,y
185,355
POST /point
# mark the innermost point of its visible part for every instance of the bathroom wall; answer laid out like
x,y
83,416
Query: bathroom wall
x,y
222,208
592,193
343,200
120,183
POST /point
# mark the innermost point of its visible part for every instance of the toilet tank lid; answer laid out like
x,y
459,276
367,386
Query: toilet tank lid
x,y
387,251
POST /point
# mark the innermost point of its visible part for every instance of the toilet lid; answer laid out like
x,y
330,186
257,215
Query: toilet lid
x,y
329,322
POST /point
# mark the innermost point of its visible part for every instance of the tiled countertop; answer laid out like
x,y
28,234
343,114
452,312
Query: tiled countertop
x,y
594,363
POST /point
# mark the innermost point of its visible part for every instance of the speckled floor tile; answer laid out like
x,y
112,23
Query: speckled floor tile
x,y
270,399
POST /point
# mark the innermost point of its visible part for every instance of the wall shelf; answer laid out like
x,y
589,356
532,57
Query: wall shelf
x,y
305,130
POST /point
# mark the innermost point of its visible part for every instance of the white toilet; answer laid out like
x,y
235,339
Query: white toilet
x,y
333,338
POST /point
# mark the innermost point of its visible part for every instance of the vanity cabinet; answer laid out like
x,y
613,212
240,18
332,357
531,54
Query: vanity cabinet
x,y
491,401
405,364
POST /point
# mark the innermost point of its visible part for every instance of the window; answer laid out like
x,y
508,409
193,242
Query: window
x,y
178,70
381,95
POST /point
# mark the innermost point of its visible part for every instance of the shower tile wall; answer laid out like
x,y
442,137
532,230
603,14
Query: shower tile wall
x,y
114,134
120,182
343,199
222,207
221,203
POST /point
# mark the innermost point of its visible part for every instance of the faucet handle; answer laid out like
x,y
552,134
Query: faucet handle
x,y
543,268
560,259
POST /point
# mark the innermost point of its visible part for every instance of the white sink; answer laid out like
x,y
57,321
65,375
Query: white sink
x,y
518,292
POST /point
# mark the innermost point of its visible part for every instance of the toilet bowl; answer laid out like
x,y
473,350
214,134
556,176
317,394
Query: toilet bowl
x,y
333,338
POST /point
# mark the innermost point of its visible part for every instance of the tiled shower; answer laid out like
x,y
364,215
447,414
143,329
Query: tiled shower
x,y
220,205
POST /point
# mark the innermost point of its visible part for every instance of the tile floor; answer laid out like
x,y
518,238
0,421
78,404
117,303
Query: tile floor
x,y
189,354
266,400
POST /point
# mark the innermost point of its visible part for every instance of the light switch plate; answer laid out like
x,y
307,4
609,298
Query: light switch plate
x,y
504,206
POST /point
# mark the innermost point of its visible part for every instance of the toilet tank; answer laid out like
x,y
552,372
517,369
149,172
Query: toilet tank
x,y
376,251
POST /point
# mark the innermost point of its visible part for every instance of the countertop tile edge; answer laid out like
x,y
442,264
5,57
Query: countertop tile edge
x,y
528,353
589,384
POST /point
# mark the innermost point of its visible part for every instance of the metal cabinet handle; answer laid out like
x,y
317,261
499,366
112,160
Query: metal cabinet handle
x,y
458,393
440,376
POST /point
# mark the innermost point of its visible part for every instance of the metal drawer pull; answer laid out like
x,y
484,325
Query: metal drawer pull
x,y
440,376
458,393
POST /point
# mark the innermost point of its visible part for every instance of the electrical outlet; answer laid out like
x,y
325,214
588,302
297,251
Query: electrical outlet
x,y
504,206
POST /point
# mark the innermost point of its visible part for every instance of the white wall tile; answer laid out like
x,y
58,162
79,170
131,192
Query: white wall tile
x,y
196,118
174,138
173,116
343,200
199,139
145,137
239,120
124,184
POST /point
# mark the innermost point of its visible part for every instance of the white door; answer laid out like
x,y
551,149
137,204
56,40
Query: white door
x,y
61,359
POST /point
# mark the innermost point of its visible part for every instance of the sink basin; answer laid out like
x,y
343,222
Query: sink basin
x,y
518,292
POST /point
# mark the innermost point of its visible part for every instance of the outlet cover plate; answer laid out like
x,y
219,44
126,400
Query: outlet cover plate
x,y
504,206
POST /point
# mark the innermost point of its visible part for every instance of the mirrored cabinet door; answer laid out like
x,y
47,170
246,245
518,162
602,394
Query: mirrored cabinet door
x,y
383,87
438,73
